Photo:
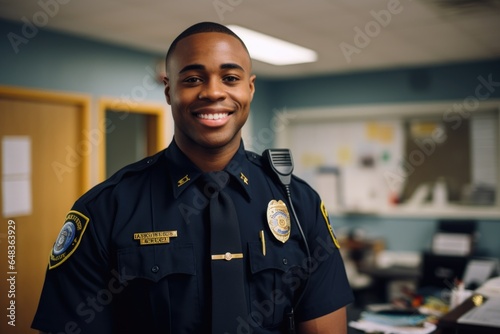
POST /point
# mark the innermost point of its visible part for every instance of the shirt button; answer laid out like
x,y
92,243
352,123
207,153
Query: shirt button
x,y
155,269
285,261
149,161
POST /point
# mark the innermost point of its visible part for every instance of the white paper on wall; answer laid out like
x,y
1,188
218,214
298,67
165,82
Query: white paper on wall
x,y
16,176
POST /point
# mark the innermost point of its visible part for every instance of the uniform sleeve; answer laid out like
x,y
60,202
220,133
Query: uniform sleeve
x,y
327,288
78,287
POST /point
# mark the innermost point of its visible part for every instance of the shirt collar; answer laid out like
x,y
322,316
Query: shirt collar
x,y
183,172
239,169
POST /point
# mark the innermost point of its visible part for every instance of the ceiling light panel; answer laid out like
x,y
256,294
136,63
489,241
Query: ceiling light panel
x,y
272,50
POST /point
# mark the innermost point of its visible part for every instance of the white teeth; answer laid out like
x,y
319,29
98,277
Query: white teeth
x,y
213,116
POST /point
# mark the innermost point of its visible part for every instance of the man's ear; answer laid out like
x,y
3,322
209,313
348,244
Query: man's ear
x,y
167,88
252,85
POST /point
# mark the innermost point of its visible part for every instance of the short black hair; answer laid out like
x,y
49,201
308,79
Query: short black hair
x,y
201,28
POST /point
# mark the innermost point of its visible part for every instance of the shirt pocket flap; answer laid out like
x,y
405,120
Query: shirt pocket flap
x,y
155,262
282,258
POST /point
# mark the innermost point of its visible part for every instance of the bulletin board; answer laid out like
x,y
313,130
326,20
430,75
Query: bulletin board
x,y
358,160
350,163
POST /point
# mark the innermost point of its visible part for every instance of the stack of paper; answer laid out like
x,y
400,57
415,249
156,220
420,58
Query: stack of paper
x,y
371,327
393,321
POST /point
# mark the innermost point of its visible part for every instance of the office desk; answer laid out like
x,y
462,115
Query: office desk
x,y
392,273
383,276
448,324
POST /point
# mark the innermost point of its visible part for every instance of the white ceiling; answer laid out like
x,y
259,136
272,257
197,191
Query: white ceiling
x,y
416,32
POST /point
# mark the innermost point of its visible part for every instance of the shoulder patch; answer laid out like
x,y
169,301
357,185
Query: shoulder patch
x,y
328,225
69,238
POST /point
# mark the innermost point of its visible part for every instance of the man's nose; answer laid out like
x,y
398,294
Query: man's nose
x,y
213,90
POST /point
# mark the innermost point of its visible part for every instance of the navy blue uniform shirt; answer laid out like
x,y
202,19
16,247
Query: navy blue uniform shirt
x,y
133,255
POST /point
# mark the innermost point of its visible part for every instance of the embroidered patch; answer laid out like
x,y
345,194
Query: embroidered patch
x,y
69,238
328,225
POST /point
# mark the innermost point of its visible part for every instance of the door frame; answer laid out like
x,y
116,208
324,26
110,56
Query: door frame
x,y
156,125
30,262
81,101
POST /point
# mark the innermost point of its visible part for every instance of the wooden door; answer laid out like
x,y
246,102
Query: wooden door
x,y
55,126
133,131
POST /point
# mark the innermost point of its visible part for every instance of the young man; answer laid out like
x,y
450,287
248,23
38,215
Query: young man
x,y
136,253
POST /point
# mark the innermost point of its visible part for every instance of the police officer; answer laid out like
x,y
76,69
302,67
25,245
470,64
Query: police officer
x,y
135,253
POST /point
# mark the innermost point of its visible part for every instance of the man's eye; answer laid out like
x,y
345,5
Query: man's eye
x,y
192,80
231,78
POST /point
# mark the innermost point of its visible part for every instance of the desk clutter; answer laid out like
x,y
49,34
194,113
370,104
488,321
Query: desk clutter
x,y
477,313
389,319
438,290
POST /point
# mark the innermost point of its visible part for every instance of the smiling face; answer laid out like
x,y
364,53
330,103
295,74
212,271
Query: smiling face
x,y
209,87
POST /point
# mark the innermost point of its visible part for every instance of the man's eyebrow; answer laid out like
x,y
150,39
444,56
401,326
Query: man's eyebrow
x,y
232,66
191,67
199,67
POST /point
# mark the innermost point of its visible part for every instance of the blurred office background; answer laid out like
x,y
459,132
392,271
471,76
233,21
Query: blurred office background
x,y
395,122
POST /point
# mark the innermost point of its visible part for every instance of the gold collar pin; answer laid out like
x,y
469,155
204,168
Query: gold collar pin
x,y
183,181
244,178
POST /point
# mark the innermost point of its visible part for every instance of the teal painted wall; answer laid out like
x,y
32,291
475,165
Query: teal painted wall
x,y
54,61
445,82
416,234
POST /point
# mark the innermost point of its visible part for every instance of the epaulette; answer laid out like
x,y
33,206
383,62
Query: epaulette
x,y
120,174
260,161
254,158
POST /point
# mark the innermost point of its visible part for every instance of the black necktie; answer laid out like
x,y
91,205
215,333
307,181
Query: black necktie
x,y
228,287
